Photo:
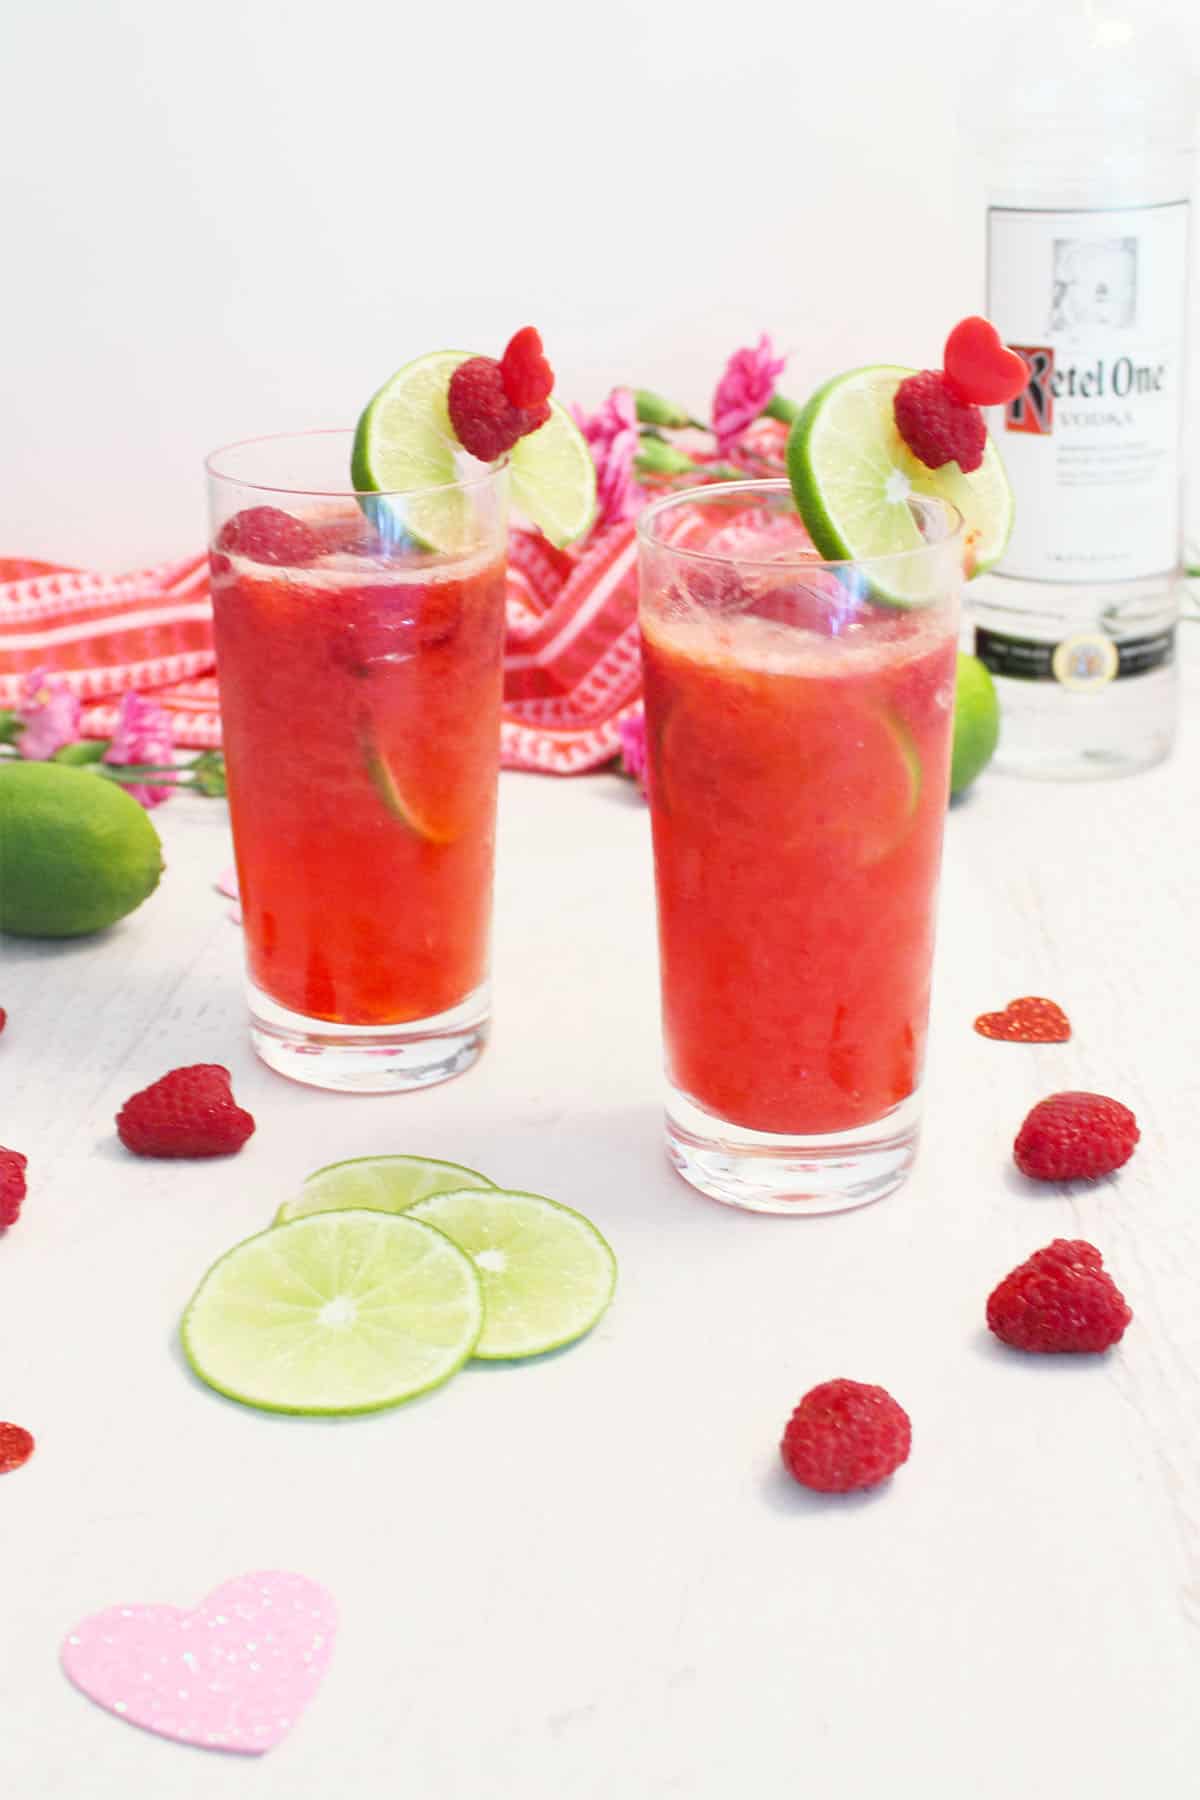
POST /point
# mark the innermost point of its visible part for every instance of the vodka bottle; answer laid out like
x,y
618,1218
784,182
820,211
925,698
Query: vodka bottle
x,y
1090,169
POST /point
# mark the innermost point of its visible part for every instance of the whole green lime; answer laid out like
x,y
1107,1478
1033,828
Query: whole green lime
x,y
76,852
976,722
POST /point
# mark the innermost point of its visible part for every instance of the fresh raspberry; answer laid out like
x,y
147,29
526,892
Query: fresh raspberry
x,y
527,376
267,535
1060,1300
16,1447
12,1186
484,418
936,425
845,1435
349,534
1072,1136
3,1018
392,624
189,1112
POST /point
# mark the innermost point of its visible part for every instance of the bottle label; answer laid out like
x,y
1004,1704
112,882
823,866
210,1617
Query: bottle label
x,y
1083,662
1094,301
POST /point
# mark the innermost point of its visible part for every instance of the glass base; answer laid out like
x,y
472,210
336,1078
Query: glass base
x,y
369,1059
761,1171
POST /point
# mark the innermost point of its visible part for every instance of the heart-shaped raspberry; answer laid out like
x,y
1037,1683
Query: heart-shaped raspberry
x,y
1031,1020
984,370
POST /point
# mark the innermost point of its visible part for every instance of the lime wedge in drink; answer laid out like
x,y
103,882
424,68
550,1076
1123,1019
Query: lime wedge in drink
x,y
547,1273
437,825
779,775
389,1184
889,828
405,441
851,474
346,1312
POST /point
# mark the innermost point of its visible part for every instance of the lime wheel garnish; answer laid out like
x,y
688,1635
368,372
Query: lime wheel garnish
x,y
406,445
852,476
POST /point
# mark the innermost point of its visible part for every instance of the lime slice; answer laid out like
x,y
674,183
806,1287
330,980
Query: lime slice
x,y
851,474
554,478
389,1184
751,768
435,827
547,1273
344,1313
405,440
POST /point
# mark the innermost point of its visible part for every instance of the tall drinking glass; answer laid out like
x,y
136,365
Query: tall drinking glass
x,y
359,641
799,719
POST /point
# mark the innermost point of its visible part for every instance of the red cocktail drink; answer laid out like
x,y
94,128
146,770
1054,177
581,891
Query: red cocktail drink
x,y
362,726
799,734
360,675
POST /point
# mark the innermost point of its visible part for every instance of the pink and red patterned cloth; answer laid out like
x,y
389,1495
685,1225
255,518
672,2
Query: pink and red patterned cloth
x,y
572,667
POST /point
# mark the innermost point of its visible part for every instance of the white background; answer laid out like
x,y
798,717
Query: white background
x,y
588,1576
237,218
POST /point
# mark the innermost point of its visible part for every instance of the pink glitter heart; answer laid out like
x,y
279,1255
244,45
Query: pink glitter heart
x,y
234,1675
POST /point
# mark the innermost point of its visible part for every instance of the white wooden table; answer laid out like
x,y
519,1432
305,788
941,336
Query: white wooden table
x,y
589,1576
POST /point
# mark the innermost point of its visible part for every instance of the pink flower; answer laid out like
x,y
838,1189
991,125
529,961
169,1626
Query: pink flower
x,y
632,729
744,389
50,714
227,884
612,435
142,735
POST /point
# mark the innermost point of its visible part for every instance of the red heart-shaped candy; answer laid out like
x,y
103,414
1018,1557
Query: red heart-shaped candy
x,y
984,370
1030,1020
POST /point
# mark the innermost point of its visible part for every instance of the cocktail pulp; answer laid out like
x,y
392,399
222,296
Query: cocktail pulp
x,y
799,743
360,699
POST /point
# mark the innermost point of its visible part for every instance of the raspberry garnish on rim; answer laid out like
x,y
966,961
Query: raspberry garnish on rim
x,y
485,421
937,424
494,404
864,450
937,410
411,435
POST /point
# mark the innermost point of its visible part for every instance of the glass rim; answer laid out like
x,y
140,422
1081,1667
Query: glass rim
x,y
781,485
466,483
